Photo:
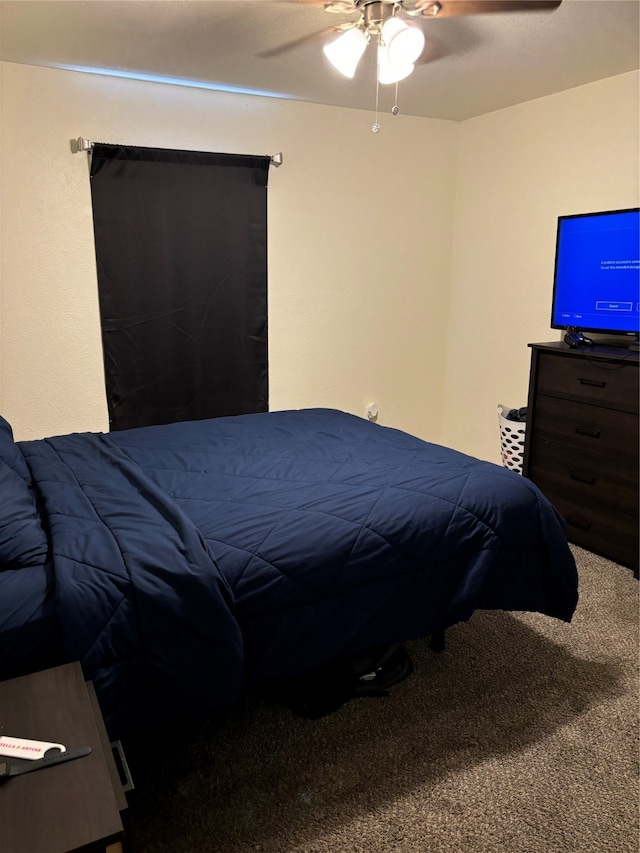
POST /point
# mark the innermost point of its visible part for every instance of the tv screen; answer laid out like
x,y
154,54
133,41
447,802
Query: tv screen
x,y
596,286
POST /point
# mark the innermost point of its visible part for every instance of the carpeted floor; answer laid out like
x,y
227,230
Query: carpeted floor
x,y
521,737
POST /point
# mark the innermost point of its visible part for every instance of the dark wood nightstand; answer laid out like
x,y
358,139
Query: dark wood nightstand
x,y
73,806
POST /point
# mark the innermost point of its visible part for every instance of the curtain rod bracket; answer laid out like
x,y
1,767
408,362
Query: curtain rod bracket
x,y
82,144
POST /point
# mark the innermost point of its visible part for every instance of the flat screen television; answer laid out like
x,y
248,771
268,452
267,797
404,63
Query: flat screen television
x,y
596,283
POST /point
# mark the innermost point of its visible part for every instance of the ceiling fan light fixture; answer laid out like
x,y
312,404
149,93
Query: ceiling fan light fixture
x,y
388,73
346,51
403,43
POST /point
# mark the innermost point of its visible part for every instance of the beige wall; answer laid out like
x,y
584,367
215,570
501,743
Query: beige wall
x,y
519,169
365,301
359,242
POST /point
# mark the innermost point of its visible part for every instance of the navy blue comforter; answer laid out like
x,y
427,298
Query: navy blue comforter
x,y
193,560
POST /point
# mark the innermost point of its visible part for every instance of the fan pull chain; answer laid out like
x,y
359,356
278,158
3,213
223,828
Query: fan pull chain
x,y
396,109
376,127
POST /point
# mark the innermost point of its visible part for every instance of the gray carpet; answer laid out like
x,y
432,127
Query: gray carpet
x,y
521,737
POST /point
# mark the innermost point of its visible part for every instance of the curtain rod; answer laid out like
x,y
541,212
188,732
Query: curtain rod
x,y
82,144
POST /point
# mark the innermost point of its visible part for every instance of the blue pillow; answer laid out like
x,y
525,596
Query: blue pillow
x,y
10,453
23,542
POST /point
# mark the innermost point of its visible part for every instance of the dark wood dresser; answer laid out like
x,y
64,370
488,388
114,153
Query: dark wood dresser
x,y
581,445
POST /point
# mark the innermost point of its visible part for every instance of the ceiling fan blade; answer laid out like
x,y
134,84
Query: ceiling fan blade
x,y
316,36
343,7
455,8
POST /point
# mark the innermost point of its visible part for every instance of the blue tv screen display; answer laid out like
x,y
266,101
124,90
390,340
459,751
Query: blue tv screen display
x,y
597,273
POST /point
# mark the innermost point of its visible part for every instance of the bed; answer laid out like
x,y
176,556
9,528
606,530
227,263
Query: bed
x,y
184,564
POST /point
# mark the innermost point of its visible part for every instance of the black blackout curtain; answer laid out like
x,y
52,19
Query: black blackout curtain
x,y
181,251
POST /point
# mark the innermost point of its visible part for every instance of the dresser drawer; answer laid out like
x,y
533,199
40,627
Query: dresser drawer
x,y
598,529
590,429
596,381
584,476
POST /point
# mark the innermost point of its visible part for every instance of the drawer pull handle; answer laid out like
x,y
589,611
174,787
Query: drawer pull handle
x,y
593,383
578,522
122,766
593,433
582,478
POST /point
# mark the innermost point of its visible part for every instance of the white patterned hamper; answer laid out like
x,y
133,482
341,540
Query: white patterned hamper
x,y
511,439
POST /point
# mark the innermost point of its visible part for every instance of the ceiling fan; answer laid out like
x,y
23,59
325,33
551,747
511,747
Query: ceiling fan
x,y
392,24
394,27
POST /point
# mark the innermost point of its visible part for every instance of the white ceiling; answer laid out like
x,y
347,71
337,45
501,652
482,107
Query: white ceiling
x,y
471,65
